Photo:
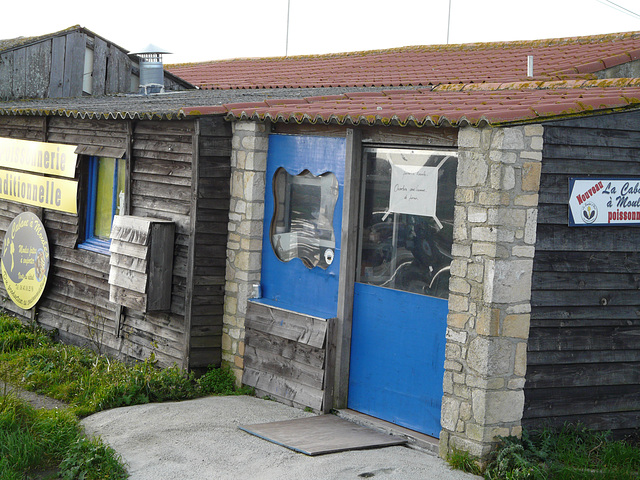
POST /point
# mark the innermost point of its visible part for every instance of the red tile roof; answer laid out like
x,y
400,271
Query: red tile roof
x,y
455,105
567,58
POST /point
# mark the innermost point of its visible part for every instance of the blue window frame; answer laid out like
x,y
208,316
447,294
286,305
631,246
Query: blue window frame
x,y
105,198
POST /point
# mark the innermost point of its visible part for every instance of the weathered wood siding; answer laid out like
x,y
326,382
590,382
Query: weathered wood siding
x,y
54,67
161,188
285,355
210,242
76,299
164,184
584,349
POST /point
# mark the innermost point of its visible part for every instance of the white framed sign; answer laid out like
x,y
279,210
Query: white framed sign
x,y
601,202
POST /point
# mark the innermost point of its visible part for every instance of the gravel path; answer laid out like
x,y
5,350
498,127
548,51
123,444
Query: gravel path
x,y
35,399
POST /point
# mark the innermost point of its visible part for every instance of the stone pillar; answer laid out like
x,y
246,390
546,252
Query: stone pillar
x,y
244,246
490,287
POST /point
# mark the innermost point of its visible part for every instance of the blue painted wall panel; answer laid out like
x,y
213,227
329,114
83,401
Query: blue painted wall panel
x,y
397,357
291,285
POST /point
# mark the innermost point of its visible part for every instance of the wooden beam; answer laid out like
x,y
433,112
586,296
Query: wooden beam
x,y
341,340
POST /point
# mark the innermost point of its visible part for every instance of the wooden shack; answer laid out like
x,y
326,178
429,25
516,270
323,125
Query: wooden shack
x,y
405,254
177,173
70,63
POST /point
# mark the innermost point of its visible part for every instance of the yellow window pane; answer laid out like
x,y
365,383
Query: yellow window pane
x,y
104,198
121,186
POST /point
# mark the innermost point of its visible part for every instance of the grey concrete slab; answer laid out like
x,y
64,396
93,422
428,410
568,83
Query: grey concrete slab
x,y
200,439
321,435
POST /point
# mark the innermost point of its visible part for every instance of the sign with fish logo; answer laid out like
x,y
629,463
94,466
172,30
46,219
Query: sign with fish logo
x,y
602,202
25,260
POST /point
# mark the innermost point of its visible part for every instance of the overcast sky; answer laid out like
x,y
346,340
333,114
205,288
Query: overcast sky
x,y
221,29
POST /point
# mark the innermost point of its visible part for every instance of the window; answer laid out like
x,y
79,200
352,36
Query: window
x,y
105,198
87,78
302,225
407,220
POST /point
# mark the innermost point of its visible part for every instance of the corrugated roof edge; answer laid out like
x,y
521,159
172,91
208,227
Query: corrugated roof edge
x,y
527,114
334,109
62,112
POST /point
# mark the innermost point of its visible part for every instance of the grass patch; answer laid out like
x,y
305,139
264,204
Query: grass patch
x,y
34,440
571,453
461,460
88,382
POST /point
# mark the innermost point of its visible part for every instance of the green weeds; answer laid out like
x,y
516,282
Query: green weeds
x,y
90,459
461,460
34,440
570,453
90,383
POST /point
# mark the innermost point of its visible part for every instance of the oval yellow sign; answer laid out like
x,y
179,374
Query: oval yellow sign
x,y
25,260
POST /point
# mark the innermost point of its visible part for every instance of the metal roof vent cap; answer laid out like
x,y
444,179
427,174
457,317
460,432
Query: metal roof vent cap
x,y
151,69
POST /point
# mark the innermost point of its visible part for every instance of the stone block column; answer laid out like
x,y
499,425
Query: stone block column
x,y
490,288
244,245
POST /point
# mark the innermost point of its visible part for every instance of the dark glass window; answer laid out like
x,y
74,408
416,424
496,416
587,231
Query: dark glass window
x,y
407,220
302,224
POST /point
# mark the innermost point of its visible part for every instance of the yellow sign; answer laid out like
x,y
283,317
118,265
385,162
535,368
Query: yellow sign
x,y
47,192
25,260
38,157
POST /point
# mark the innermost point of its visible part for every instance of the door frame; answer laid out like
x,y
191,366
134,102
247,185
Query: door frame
x,y
339,335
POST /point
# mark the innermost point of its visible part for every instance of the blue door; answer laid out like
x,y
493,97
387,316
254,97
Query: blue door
x,y
402,285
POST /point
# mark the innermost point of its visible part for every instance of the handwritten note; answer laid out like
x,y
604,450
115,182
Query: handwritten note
x,y
414,190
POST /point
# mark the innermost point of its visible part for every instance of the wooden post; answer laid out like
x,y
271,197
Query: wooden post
x,y
119,314
348,255
188,300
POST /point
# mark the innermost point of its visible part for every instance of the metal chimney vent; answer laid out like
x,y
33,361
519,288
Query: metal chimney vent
x,y
151,69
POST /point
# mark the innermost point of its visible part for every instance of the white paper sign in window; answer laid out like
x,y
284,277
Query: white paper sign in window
x,y
414,190
414,186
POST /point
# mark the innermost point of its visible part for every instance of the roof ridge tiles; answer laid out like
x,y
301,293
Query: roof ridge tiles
x,y
540,85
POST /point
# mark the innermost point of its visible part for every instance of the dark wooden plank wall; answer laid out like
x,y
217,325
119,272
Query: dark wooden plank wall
x,y
6,75
118,71
55,68
100,55
74,64
161,188
76,300
210,242
39,68
584,353
285,355
56,80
